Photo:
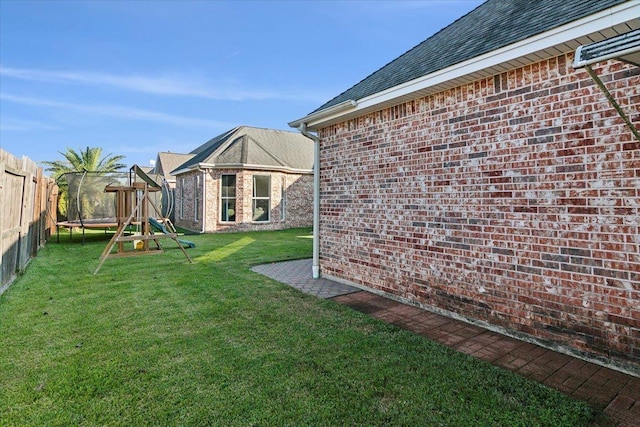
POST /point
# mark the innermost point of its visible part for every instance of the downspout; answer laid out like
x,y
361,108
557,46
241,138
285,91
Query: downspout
x,y
204,199
315,269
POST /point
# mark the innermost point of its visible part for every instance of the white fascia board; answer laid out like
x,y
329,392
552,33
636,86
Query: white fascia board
x,y
591,24
201,166
277,169
247,166
180,171
194,168
327,113
205,166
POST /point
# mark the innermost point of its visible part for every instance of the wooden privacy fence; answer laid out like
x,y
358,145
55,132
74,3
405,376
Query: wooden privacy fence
x,y
27,214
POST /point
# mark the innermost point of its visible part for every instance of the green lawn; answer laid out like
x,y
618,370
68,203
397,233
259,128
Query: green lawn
x,y
154,340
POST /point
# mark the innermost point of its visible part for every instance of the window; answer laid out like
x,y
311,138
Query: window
x,y
228,198
198,197
261,198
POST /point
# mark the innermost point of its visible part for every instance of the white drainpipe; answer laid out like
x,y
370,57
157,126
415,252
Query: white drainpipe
x,y
204,200
315,270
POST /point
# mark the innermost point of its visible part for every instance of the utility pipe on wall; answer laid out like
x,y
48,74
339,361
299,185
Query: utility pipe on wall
x,y
315,269
613,101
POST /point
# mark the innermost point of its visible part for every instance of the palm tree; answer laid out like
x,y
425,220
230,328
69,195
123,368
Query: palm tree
x,y
90,159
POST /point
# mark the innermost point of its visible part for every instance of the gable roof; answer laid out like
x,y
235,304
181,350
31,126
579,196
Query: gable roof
x,y
246,147
498,35
166,162
145,169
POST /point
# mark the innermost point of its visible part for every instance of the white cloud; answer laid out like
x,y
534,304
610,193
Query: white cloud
x,y
176,85
118,111
21,125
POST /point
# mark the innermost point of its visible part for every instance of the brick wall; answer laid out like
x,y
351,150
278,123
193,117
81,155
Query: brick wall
x,y
514,200
298,201
185,202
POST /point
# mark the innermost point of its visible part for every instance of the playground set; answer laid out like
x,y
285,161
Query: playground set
x,y
107,200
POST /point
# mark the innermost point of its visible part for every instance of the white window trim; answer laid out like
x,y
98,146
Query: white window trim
x,y
222,198
254,198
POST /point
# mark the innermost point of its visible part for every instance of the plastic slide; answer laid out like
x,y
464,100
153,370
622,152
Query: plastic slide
x,y
157,225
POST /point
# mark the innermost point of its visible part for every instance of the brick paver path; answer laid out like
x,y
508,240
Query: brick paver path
x,y
612,392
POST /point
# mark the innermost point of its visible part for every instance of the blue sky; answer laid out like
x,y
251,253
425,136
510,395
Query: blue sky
x,y
139,77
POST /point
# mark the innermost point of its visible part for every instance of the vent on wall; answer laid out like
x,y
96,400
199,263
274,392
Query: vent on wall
x,y
625,47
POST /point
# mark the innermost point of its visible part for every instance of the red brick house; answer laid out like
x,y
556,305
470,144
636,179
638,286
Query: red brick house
x,y
165,163
246,179
482,176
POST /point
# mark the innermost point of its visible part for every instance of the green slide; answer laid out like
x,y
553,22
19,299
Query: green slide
x,y
157,225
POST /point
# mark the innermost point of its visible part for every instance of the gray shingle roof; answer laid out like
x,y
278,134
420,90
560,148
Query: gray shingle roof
x,y
246,147
167,162
492,25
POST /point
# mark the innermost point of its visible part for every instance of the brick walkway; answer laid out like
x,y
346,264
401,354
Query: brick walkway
x,y
614,393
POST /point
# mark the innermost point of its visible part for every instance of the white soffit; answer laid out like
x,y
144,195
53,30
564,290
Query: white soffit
x,y
567,38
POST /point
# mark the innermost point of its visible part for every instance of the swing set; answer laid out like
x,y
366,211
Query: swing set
x,y
133,203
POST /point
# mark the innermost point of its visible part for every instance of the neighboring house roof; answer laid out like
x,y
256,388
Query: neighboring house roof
x,y
504,28
146,169
167,162
246,147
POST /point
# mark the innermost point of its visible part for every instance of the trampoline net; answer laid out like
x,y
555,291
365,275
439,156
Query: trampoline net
x,y
87,202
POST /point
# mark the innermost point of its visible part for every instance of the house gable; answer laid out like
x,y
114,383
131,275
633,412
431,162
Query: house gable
x,y
166,162
248,147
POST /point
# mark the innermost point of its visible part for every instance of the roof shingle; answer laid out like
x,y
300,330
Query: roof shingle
x,y
246,146
491,26
167,162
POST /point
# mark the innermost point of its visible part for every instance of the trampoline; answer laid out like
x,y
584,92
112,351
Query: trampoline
x,y
89,206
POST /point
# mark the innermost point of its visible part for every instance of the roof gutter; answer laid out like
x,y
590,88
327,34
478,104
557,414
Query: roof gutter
x,y
259,167
334,110
191,168
315,268
202,166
